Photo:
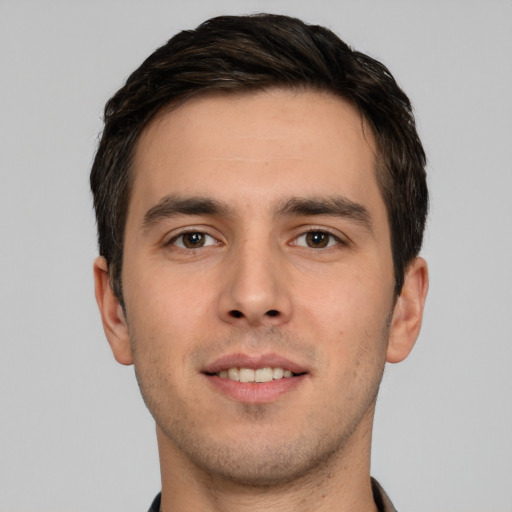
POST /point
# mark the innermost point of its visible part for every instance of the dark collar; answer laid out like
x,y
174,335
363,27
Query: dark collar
x,y
155,506
379,496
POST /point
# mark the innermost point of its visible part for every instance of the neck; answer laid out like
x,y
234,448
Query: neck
x,y
341,483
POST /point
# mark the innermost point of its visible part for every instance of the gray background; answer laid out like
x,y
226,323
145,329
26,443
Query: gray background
x,y
74,434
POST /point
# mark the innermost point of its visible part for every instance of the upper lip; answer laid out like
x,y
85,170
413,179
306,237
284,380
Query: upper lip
x,y
253,362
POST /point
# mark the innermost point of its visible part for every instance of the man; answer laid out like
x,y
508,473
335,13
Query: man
x,y
260,196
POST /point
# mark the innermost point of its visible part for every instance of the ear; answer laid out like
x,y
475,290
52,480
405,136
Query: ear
x,y
408,312
112,316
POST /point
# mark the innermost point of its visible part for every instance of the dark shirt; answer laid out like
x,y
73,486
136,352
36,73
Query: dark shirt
x,y
380,497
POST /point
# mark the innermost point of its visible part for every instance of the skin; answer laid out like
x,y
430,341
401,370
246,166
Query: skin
x,y
260,284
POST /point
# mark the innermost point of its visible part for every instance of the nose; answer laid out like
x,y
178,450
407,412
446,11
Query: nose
x,y
255,290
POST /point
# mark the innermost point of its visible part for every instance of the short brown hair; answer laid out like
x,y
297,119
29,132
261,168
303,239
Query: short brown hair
x,y
244,53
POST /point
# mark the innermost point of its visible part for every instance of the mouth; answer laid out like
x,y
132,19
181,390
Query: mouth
x,y
265,374
254,379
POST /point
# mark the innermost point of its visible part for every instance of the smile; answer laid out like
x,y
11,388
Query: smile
x,y
266,374
256,379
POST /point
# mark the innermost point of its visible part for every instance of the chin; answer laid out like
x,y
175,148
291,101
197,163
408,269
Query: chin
x,y
259,461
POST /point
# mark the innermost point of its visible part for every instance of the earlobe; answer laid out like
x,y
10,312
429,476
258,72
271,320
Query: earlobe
x,y
112,315
408,312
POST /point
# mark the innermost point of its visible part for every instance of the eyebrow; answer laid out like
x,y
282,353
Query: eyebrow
x,y
172,206
336,206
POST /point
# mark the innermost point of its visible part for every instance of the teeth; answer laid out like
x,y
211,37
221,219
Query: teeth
x,y
263,375
246,375
277,373
233,374
260,375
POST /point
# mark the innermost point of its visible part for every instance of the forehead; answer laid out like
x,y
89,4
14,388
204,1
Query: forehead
x,y
259,144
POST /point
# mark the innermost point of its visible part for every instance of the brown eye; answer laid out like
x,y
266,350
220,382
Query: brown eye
x,y
317,239
193,240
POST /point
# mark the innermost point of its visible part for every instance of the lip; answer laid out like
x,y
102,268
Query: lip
x,y
253,362
252,392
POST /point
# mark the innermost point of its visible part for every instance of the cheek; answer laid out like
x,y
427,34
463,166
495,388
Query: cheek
x,y
345,300
160,323
167,300
160,326
348,320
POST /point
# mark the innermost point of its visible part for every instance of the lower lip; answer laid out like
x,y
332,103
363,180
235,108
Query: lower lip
x,y
255,392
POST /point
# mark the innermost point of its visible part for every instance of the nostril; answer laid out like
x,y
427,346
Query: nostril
x,y
272,312
236,314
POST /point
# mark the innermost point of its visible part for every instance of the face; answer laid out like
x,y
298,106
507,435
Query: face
x,y
258,284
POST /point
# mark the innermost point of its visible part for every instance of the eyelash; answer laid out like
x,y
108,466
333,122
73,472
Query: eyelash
x,y
332,239
174,239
